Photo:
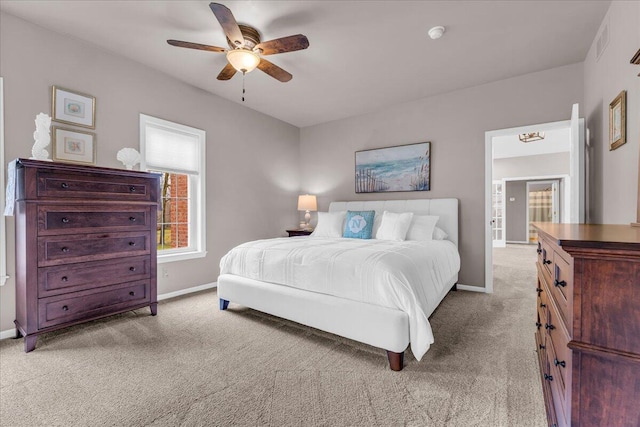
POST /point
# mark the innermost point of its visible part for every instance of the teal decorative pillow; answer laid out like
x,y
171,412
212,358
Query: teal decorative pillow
x,y
359,224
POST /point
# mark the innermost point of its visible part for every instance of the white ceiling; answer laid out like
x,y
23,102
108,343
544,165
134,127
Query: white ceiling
x,y
363,55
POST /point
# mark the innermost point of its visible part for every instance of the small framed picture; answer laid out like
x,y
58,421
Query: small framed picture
x,y
618,121
73,108
74,146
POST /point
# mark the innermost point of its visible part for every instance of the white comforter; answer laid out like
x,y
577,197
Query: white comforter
x,y
410,276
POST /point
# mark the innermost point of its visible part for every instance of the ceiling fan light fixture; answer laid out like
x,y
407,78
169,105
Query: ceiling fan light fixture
x,y
243,60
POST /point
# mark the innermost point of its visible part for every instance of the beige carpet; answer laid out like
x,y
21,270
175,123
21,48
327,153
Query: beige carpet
x,y
193,365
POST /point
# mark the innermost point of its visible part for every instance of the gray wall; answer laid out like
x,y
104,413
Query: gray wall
x,y
455,123
613,175
529,166
252,159
516,211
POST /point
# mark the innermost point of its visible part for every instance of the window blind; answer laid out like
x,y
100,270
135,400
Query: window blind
x,y
171,150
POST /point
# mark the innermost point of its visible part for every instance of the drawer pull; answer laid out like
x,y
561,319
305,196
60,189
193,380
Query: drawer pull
x,y
65,249
541,347
132,189
132,269
543,305
562,363
64,278
546,261
538,325
64,185
132,293
539,291
548,377
132,218
65,220
132,243
65,308
560,283
548,326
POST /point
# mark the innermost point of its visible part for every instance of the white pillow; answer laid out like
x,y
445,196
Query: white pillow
x,y
330,224
422,227
394,226
439,233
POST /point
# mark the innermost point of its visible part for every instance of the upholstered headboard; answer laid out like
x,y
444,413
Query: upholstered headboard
x,y
446,209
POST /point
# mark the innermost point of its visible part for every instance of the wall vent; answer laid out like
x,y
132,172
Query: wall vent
x,y
603,41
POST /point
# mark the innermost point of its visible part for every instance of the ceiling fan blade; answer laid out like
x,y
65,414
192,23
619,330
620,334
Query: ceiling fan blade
x,y
227,72
284,44
274,71
198,46
228,23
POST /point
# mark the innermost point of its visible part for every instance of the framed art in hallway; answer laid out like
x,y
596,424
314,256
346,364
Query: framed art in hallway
x,y
618,121
73,146
398,168
73,108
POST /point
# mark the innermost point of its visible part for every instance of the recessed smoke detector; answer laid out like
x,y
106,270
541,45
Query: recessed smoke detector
x,y
436,32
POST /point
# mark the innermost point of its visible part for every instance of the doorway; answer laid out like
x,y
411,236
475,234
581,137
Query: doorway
x,y
573,188
543,205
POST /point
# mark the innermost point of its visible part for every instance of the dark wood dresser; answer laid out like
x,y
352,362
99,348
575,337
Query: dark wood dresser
x,y
85,244
588,323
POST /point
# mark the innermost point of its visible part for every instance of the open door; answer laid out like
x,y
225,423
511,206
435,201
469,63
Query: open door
x,y
577,168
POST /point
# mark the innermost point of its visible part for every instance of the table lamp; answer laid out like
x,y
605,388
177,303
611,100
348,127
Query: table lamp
x,y
307,203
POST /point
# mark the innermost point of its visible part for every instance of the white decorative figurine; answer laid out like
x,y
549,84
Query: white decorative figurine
x,y
41,137
129,157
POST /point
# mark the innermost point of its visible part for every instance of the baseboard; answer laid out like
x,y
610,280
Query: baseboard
x,y
11,333
187,291
518,242
470,288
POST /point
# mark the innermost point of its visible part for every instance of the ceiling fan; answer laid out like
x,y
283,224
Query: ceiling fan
x,y
245,47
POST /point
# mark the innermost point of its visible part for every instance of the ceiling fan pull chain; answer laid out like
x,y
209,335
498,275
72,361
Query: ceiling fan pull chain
x,y
243,74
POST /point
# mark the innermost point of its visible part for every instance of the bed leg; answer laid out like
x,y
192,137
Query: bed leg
x,y
396,360
224,304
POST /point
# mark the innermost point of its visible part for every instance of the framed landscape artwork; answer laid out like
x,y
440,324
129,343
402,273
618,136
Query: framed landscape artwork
x,y
73,146
618,121
73,108
399,168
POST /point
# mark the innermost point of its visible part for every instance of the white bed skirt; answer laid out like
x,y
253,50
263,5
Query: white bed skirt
x,y
378,326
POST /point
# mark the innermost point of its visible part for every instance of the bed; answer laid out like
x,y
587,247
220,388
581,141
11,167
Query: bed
x,y
295,289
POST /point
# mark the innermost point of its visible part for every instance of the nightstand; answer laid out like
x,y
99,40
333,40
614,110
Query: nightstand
x,y
298,232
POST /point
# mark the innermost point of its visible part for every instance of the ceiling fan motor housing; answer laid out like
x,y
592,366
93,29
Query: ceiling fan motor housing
x,y
251,37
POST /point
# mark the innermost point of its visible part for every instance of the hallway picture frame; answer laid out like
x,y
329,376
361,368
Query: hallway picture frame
x,y
618,121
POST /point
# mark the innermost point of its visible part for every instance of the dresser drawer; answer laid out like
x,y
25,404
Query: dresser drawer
x,y
77,277
545,256
56,250
81,185
562,286
55,219
86,304
557,388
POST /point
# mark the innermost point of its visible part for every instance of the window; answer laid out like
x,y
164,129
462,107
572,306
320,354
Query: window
x,y
177,152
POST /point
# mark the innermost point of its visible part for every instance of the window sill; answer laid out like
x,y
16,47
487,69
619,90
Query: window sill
x,y
182,256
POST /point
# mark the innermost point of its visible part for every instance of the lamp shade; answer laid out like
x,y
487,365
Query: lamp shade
x,y
307,202
243,60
